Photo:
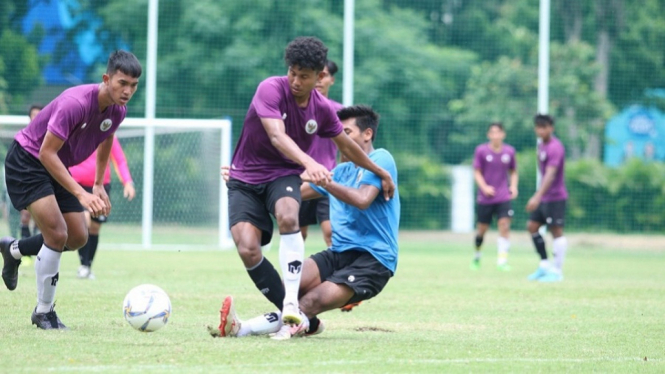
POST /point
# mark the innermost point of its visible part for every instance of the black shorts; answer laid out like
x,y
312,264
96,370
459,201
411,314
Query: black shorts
x,y
100,218
254,203
485,212
551,213
314,211
359,270
28,181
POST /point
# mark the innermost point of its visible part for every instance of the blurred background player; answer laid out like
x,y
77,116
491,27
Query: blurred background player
x,y
323,151
548,204
67,131
493,162
283,118
84,174
364,253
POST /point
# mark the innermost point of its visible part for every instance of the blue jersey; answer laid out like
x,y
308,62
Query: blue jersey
x,y
374,229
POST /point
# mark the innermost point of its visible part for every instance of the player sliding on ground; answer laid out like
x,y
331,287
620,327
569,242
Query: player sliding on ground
x,y
363,256
284,117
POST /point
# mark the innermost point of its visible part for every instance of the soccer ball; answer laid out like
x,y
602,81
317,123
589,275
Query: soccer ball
x,y
147,308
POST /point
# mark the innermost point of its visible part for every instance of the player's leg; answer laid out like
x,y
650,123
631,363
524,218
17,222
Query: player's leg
x,y
556,215
283,199
25,224
83,252
504,215
94,228
306,216
536,220
484,214
230,324
251,227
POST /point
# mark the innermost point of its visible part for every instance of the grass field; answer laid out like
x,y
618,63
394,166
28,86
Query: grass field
x,y
434,316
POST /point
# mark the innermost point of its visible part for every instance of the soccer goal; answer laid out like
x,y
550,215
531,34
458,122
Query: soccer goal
x,y
181,200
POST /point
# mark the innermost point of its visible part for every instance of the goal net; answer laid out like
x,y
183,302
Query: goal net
x,y
181,201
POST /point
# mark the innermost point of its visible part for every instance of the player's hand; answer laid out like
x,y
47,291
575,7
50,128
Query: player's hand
x,y
226,172
533,203
489,191
129,192
513,192
93,204
100,192
388,186
318,174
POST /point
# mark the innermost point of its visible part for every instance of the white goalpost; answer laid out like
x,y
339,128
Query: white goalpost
x,y
185,204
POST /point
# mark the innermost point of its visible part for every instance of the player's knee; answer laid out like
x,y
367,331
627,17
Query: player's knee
x,y
56,238
77,241
287,223
249,254
309,305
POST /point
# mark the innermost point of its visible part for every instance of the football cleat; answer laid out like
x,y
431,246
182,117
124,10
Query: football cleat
x,y
475,264
291,315
318,330
551,276
229,324
349,307
539,273
47,321
10,267
288,331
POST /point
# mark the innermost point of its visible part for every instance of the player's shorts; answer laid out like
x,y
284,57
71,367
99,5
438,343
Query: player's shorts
x,y
314,211
28,181
254,203
552,213
359,270
100,218
485,212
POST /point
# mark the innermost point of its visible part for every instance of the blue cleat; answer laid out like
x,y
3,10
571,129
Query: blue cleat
x,y
550,277
539,273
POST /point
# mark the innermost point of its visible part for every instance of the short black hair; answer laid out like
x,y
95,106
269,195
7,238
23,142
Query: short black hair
x,y
33,107
498,125
332,67
366,117
124,61
542,120
306,52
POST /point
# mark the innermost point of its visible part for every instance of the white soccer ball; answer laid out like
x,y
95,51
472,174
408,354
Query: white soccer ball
x,y
147,308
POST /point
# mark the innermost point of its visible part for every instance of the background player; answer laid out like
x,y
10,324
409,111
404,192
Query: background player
x,y
363,256
492,163
84,174
548,204
323,151
64,133
283,118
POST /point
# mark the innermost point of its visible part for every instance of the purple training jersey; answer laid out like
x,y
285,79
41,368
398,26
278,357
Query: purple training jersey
x,y
553,154
256,160
73,117
324,150
494,166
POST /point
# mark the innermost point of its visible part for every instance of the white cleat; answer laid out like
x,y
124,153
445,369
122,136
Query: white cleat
x,y
289,331
83,272
291,315
229,323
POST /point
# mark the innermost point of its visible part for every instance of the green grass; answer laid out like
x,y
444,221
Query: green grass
x,y
434,316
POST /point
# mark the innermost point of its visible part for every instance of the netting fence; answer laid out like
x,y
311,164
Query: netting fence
x,y
438,71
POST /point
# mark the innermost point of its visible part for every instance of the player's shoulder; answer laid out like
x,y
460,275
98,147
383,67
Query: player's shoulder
x,y
335,105
482,147
382,156
274,81
509,148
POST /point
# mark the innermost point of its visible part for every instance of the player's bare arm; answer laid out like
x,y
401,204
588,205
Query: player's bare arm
x,y
545,185
103,155
355,154
48,156
514,179
361,197
308,193
280,140
482,184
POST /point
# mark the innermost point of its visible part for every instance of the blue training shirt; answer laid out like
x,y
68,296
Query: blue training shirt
x,y
374,229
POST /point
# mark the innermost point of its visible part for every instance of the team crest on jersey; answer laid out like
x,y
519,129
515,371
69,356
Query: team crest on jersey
x,y
283,116
84,125
543,156
505,158
489,158
311,126
106,124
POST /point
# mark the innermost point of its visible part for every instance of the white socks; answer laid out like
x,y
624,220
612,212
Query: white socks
x,y
503,245
13,249
291,259
47,273
261,325
559,247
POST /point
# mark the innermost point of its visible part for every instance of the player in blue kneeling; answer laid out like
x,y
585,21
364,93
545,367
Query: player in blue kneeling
x,y
363,256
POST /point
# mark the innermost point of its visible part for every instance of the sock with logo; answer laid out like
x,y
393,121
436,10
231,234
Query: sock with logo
x,y
47,269
267,280
540,245
559,247
261,325
503,245
26,247
291,258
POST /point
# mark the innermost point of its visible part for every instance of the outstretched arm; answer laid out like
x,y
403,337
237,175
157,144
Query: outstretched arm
x,y
361,197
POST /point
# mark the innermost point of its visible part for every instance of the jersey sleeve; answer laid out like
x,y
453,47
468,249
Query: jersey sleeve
x,y
477,159
120,162
322,191
513,160
267,98
65,117
332,126
556,156
383,159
